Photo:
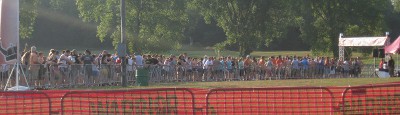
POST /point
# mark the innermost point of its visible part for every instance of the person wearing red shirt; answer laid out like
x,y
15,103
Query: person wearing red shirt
x,y
381,64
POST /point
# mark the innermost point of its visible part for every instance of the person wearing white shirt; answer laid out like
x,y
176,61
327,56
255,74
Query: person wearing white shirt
x,y
346,67
208,68
130,66
204,62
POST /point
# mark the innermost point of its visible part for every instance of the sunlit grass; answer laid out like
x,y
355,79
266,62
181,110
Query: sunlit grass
x,y
265,83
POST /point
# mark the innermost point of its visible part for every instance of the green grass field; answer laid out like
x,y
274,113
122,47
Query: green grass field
x,y
265,83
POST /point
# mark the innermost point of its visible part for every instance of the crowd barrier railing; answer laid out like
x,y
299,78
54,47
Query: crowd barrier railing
x,y
54,76
283,100
371,99
163,73
139,101
24,102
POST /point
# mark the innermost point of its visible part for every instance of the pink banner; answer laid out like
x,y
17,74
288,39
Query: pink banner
x,y
9,31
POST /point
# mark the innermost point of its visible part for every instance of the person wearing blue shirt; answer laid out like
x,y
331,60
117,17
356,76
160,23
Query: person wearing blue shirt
x,y
304,63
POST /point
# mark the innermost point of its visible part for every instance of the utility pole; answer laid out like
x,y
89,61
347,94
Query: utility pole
x,y
122,47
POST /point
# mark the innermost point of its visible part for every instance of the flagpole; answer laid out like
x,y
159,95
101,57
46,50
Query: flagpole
x,y
17,44
10,42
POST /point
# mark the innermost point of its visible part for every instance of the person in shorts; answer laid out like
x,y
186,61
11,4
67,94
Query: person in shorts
x,y
34,67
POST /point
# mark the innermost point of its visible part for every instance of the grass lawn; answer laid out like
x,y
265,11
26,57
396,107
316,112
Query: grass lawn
x,y
266,83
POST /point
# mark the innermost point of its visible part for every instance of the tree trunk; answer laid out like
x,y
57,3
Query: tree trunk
x,y
190,41
136,30
244,50
247,51
334,44
241,51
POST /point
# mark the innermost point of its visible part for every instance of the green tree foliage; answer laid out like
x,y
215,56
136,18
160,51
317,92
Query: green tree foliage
x,y
162,25
59,27
28,13
247,23
323,20
152,25
396,4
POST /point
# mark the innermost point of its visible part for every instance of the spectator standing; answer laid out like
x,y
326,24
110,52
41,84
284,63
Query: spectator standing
x,y
88,61
42,69
391,66
360,65
105,71
181,62
351,66
270,67
139,60
381,63
166,67
356,67
25,58
262,67
129,66
241,69
229,67
304,65
295,67
327,67
75,67
346,67
333,66
321,64
247,64
63,64
209,65
34,66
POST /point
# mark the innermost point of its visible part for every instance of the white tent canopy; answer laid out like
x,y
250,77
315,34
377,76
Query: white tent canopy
x,y
361,41
364,41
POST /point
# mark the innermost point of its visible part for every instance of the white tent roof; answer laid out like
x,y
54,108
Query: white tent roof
x,y
364,41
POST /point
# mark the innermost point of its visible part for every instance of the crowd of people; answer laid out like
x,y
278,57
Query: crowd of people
x,y
71,67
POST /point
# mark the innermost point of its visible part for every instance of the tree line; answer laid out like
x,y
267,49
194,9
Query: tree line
x,y
241,25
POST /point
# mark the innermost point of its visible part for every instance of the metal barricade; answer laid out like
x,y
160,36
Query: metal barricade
x,y
27,102
140,101
53,76
4,75
372,99
282,100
